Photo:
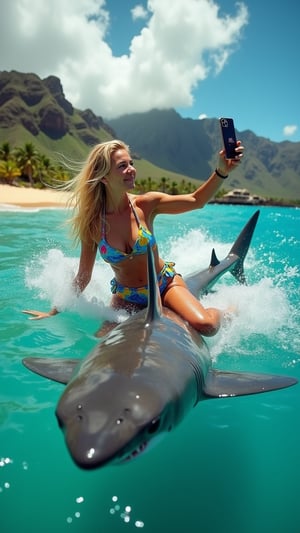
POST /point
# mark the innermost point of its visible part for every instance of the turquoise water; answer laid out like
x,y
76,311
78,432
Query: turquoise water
x,y
233,466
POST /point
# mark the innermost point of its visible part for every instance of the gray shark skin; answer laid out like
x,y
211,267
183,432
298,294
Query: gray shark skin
x,y
144,377
203,281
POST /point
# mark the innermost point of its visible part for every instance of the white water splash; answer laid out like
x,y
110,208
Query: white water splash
x,y
52,274
263,311
263,307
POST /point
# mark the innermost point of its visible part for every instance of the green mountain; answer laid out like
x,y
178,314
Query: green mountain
x,y
164,145
35,110
190,146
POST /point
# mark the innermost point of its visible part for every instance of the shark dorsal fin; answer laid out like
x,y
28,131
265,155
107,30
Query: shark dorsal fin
x,y
241,246
214,261
154,308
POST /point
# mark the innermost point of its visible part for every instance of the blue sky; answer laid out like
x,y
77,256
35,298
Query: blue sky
x,y
203,58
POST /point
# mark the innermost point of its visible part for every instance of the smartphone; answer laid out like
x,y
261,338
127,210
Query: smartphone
x,y
229,137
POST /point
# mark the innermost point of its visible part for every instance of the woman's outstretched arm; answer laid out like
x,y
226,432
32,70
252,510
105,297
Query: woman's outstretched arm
x,y
80,282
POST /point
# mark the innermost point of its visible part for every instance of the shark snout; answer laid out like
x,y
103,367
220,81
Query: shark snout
x,y
114,420
96,438
115,442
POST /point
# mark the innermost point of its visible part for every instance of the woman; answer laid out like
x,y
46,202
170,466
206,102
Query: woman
x,y
107,216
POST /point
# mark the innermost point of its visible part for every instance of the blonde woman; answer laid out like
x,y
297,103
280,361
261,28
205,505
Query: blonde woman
x,y
108,218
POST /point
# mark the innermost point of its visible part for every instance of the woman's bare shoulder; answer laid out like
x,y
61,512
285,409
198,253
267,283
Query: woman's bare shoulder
x,y
148,202
147,198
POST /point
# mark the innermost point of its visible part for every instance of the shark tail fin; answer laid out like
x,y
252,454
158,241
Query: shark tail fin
x,y
54,368
219,384
241,247
154,308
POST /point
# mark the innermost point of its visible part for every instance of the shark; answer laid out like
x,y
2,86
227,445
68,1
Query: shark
x,y
144,377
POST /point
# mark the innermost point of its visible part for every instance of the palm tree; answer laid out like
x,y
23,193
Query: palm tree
x,y
140,186
151,184
46,170
163,185
28,159
5,151
174,188
61,174
186,187
9,170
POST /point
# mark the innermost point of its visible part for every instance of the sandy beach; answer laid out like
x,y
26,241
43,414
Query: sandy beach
x,y
29,197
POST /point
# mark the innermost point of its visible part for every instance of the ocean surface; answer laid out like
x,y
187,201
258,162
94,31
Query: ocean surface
x,y
232,466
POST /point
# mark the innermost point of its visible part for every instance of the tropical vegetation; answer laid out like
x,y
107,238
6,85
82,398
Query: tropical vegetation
x,y
26,166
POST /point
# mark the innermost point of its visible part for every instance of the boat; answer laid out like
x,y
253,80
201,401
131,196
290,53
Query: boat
x,y
241,196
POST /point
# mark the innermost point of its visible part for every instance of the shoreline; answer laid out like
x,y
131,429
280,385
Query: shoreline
x,y
30,197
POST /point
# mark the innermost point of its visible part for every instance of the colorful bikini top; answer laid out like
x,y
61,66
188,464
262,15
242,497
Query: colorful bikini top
x,y
112,255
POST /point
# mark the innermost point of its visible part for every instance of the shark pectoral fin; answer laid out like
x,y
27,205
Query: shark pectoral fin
x,y
219,384
57,369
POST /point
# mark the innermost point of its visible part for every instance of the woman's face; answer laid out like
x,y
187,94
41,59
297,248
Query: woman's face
x,y
122,173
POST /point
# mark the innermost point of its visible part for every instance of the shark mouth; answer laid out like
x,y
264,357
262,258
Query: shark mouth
x,y
136,452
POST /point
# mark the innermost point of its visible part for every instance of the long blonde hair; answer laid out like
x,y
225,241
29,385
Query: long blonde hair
x,y
88,191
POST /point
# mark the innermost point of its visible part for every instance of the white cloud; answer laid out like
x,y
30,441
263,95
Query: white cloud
x,y
139,12
202,116
289,131
180,45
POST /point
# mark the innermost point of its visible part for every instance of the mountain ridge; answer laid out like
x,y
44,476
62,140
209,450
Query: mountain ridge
x,y
190,146
35,110
162,142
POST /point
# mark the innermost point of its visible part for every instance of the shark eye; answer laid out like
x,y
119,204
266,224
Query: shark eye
x,y
119,421
154,425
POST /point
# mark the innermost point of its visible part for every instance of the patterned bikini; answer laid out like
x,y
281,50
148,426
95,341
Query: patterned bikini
x,y
135,295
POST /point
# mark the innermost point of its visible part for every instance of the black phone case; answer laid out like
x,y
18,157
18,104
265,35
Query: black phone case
x,y
229,137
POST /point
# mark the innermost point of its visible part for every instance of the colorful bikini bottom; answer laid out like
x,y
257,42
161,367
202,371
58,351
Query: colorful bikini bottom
x,y
139,295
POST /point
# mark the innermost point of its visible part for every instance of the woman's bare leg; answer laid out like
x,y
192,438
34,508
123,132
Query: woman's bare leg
x,y
178,298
